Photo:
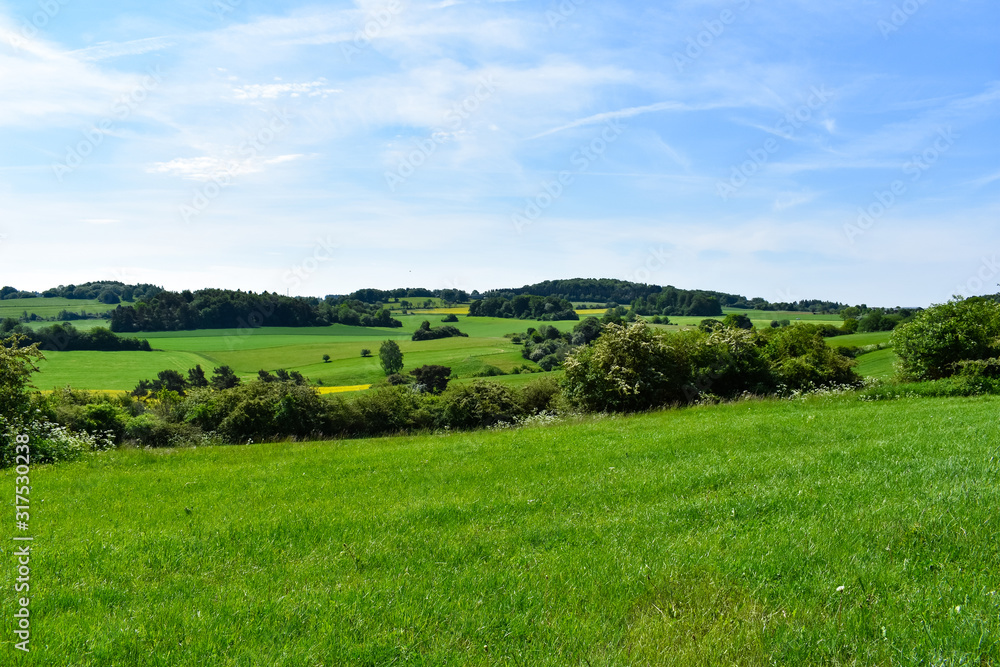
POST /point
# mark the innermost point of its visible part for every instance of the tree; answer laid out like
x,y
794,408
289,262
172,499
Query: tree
x,y
450,317
326,357
434,378
390,357
17,363
223,377
365,352
171,380
936,340
196,377
737,320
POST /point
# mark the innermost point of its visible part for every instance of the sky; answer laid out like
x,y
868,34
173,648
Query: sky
x,y
790,150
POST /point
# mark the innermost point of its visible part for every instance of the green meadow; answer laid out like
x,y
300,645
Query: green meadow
x,y
50,306
248,350
812,532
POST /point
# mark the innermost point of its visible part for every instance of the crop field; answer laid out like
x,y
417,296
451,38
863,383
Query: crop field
x,y
825,531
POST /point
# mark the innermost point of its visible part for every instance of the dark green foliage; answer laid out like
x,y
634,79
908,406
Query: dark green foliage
x,y
524,306
481,404
935,342
432,378
390,357
223,377
67,338
196,377
228,309
632,368
709,325
450,317
365,352
425,332
586,331
326,357
738,321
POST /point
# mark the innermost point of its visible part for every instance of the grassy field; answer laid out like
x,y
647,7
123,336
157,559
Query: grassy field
x,y
812,532
302,349
50,307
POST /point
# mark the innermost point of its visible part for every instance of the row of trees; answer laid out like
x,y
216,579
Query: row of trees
x,y
524,306
107,291
228,309
606,290
67,338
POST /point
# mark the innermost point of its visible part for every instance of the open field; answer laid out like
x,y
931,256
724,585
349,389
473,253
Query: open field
x,y
302,349
50,307
798,533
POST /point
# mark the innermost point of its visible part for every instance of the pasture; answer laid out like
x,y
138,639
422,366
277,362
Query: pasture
x,y
820,531
50,306
301,349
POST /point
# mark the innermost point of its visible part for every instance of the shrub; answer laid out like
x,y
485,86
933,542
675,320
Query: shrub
x,y
936,340
432,378
450,317
488,371
629,368
480,405
539,396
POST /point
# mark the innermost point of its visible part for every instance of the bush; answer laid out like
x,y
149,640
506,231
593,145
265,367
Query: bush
x,y
480,405
629,368
488,371
937,340
539,396
450,317
432,378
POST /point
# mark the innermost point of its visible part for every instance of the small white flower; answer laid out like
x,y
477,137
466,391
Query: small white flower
x,y
840,589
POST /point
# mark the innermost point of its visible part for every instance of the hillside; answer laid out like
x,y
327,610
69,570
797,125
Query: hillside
x,y
816,532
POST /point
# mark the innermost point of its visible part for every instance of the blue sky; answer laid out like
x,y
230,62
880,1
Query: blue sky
x,y
791,149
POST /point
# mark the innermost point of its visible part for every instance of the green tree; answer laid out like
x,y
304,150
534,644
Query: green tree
x,y
326,357
937,339
433,378
17,363
365,352
390,357
223,377
196,377
738,321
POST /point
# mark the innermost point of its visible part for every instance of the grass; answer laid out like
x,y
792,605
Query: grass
x,y
703,536
110,370
50,307
878,364
301,349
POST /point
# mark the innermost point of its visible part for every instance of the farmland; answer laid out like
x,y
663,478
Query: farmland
x,y
302,348
824,531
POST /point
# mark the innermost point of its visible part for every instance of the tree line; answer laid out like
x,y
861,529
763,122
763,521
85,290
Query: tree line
x,y
524,306
65,337
228,309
